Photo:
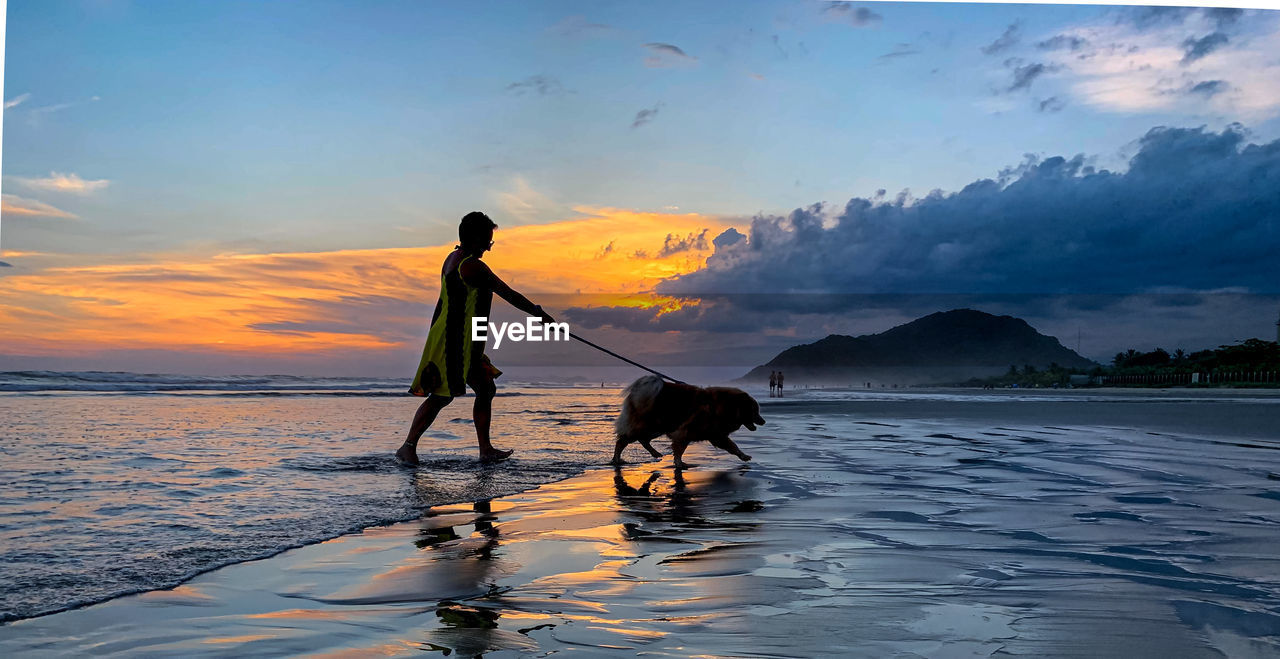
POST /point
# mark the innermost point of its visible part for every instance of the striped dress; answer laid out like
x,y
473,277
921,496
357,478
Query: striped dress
x,y
449,355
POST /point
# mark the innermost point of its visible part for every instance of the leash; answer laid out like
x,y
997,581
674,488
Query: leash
x,y
614,354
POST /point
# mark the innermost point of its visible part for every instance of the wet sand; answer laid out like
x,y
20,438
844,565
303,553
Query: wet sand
x,y
849,534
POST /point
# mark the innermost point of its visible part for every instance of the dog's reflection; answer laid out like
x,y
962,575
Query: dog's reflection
x,y
666,509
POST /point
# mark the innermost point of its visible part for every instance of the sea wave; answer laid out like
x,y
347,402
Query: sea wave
x,y
119,382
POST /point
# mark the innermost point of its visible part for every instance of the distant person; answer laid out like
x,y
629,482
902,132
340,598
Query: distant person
x,y
773,382
779,384
450,360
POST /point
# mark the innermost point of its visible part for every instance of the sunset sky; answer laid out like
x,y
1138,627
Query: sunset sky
x,y
270,187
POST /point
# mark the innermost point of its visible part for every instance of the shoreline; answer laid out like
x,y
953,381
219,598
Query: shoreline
x,y
875,534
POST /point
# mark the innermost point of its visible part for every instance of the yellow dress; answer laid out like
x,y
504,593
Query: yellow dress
x,y
449,355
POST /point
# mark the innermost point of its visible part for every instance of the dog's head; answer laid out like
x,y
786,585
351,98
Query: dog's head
x,y
738,407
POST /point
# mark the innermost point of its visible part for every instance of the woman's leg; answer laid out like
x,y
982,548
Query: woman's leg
x,y
482,412
422,419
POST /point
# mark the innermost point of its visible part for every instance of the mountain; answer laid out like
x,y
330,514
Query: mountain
x,y
945,346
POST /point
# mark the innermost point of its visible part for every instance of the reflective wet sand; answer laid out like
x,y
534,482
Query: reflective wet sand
x,y
849,535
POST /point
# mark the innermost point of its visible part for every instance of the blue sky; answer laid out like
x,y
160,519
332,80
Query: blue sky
x,y
142,131
323,125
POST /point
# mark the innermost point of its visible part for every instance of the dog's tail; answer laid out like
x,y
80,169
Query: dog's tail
x,y
639,397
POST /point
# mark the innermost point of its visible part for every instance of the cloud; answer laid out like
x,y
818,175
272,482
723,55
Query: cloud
x,y
1051,104
68,183
50,109
1196,210
539,84
16,101
338,301
526,204
777,44
1063,42
1025,74
1198,48
579,26
1149,61
665,55
1224,16
15,205
1157,18
674,244
1010,38
845,12
5,265
900,50
728,237
645,116
1209,87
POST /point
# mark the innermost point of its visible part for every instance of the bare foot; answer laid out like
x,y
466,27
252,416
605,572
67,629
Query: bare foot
x,y
407,455
744,457
494,455
617,462
680,464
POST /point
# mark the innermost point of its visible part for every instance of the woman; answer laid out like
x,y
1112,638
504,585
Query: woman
x,y
451,361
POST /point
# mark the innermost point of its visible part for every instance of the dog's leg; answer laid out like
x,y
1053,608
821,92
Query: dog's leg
x,y
649,447
677,451
680,442
617,450
642,436
723,442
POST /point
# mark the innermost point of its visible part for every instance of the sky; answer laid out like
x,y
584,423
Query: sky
x,y
270,187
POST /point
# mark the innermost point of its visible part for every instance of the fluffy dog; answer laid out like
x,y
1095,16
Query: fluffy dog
x,y
685,413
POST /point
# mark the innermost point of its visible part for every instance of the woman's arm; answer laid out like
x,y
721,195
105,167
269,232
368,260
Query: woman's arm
x,y
477,273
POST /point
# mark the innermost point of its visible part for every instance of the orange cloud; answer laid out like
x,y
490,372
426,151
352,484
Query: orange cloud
x,y
316,302
12,204
70,183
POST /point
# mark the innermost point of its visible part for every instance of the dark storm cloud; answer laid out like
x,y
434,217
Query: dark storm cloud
x,y
1196,210
847,13
1100,324
1009,39
540,84
1194,49
727,237
675,244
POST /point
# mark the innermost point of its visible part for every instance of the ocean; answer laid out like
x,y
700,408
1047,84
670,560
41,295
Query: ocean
x,y
1020,517
114,483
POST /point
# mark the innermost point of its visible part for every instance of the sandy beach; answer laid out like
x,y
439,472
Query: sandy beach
x,y
860,529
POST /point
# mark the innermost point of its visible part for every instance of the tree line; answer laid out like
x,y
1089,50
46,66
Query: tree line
x,y
1252,355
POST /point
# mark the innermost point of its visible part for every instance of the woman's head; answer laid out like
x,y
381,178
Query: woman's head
x,y
475,232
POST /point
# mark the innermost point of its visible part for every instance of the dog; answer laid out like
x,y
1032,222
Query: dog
x,y
685,413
